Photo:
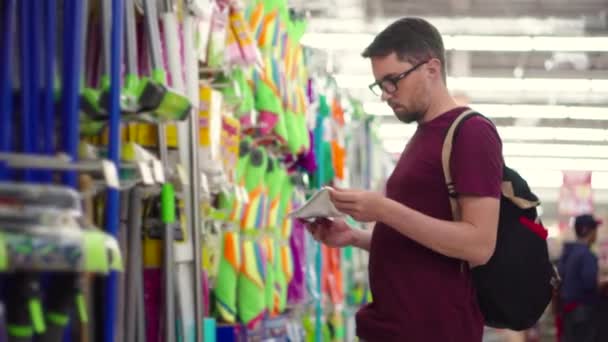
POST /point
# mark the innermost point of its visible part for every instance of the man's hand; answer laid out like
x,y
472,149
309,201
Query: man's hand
x,y
335,233
358,204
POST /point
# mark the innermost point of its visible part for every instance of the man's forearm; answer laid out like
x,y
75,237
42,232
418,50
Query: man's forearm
x,y
362,238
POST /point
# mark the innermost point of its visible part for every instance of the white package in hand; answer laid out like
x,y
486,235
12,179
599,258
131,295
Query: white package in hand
x,y
319,205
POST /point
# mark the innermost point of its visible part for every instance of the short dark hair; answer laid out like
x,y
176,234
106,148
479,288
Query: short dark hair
x,y
413,40
585,224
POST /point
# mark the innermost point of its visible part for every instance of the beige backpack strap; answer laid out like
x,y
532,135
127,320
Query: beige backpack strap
x,y
446,154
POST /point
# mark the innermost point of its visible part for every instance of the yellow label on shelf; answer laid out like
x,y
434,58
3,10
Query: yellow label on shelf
x,y
210,123
229,146
204,116
172,136
153,253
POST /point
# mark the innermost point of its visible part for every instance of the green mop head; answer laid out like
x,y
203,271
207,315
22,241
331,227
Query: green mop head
x,y
254,217
293,132
226,287
270,109
251,300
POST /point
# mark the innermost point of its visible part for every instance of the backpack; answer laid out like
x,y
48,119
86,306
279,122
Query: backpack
x,y
516,285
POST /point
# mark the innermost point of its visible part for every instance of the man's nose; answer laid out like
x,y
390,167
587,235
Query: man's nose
x,y
385,96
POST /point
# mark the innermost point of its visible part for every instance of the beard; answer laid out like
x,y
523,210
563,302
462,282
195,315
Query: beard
x,y
405,114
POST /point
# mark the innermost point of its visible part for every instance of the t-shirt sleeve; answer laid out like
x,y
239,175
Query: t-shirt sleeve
x,y
476,161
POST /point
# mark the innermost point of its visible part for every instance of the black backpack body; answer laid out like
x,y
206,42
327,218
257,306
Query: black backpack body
x,y
516,285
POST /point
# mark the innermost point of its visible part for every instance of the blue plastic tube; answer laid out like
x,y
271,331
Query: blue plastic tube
x,y
72,53
27,98
48,112
7,12
113,198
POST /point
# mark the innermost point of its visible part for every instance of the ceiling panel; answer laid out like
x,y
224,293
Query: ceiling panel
x,y
496,8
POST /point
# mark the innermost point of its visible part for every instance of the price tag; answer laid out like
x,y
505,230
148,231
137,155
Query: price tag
x,y
205,184
183,176
159,172
146,173
110,174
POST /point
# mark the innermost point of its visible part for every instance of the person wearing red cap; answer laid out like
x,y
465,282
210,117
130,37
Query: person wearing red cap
x,y
579,293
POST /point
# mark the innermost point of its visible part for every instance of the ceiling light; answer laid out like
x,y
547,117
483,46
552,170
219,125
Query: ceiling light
x,y
498,84
514,111
554,178
403,132
358,41
555,150
558,164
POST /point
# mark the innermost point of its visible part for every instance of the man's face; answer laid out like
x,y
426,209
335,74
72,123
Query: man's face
x,y
411,99
593,237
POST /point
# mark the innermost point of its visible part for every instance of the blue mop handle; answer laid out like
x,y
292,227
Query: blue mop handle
x,y
27,95
6,91
72,52
113,210
71,80
36,81
48,121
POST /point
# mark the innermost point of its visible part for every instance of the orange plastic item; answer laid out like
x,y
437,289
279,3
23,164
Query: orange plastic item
x,y
332,275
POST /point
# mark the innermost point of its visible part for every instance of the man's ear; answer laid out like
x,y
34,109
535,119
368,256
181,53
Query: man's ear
x,y
434,68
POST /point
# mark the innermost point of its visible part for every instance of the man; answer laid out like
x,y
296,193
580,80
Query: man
x,y
419,256
579,294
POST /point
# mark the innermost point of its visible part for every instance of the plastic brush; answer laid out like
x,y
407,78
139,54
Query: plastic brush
x,y
164,102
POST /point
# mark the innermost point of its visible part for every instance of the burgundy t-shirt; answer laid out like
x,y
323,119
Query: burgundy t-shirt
x,y
420,295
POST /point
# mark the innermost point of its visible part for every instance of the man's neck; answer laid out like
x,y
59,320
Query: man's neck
x,y
585,242
441,105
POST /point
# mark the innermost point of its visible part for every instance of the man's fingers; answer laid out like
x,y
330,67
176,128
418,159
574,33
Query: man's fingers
x,y
343,197
338,195
311,229
346,207
323,222
319,235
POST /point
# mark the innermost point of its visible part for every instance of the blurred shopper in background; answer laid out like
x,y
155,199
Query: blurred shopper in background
x,y
579,294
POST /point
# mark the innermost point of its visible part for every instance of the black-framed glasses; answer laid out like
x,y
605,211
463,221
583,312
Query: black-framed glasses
x,y
389,83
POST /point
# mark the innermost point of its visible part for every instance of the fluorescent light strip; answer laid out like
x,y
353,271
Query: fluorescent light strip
x,y
358,41
542,164
553,133
512,149
528,84
403,132
555,150
498,84
557,164
553,179
525,43
515,111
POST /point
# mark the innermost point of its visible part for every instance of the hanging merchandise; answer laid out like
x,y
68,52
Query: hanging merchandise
x,y
190,148
217,42
43,228
296,289
251,283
